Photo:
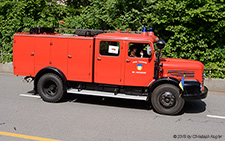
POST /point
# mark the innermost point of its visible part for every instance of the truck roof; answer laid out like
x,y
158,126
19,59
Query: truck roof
x,y
127,36
114,36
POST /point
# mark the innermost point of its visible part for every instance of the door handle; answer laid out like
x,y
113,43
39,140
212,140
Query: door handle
x,y
32,54
69,56
127,60
98,58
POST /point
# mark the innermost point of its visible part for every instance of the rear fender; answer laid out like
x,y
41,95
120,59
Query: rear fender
x,y
50,70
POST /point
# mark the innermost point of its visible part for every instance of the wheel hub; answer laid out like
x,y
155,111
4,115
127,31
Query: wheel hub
x,y
50,88
167,99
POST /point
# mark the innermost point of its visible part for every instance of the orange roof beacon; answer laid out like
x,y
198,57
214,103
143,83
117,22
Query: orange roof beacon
x,y
118,65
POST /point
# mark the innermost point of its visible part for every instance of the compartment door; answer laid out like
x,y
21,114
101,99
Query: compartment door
x,y
23,55
108,62
80,60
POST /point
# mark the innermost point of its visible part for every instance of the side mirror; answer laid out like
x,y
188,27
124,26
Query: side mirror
x,y
160,44
149,50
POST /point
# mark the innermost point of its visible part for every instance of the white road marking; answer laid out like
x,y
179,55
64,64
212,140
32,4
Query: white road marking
x,y
213,116
29,95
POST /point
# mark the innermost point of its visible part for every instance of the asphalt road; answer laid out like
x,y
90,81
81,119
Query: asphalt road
x,y
87,118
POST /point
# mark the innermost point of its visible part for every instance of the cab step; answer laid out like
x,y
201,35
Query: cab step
x,y
106,94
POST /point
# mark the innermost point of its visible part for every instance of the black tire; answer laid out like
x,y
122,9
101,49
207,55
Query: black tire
x,y
50,87
166,99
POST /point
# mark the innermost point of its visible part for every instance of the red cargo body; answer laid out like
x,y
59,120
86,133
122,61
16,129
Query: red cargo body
x,y
70,54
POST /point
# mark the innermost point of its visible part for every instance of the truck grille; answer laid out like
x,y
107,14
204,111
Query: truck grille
x,y
188,74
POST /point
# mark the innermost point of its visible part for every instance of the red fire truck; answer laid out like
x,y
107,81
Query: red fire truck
x,y
118,65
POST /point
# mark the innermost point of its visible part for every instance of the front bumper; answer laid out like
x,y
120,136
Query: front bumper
x,y
192,91
196,96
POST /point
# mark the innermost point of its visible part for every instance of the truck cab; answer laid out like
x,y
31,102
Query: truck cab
x,y
118,65
114,63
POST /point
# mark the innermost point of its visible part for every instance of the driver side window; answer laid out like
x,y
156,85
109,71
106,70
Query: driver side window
x,y
138,50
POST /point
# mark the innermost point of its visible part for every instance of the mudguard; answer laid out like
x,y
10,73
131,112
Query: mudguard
x,y
163,80
49,70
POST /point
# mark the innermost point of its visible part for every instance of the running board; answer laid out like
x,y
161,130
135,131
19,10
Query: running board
x,y
106,94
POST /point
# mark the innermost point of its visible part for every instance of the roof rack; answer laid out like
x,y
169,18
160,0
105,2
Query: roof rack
x,y
104,31
79,32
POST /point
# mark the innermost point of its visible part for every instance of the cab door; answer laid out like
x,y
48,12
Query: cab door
x,y
139,67
108,62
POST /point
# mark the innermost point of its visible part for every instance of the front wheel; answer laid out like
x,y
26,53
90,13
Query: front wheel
x,y
166,100
50,87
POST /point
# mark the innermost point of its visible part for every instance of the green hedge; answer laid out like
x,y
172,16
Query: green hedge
x,y
192,29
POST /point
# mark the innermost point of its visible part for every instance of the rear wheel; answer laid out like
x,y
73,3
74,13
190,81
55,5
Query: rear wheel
x,y
50,87
166,100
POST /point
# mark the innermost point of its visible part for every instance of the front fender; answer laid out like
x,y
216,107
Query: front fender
x,y
163,80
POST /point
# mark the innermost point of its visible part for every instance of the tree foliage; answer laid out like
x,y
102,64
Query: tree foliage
x,y
21,15
192,29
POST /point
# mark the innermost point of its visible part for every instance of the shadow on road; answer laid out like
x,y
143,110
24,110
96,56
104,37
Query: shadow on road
x,y
115,102
195,106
